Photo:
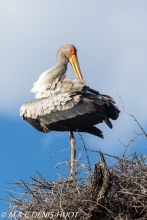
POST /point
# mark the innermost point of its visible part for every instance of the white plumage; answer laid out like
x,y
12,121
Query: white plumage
x,y
64,104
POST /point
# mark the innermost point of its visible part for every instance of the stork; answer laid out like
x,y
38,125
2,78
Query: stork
x,y
64,104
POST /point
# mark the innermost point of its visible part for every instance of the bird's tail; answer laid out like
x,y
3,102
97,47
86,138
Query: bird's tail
x,y
92,130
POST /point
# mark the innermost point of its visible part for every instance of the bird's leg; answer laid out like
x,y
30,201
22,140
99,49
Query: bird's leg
x,y
73,155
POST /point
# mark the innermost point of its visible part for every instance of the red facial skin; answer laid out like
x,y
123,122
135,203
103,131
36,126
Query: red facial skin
x,y
71,53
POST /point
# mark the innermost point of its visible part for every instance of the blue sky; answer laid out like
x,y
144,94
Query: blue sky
x,y
111,39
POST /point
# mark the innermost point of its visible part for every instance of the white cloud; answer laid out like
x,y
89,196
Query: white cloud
x,y
111,38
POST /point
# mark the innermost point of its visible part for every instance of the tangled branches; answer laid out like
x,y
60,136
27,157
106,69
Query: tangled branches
x,y
115,192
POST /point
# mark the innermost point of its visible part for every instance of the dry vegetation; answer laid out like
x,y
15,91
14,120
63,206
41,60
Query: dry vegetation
x,y
114,192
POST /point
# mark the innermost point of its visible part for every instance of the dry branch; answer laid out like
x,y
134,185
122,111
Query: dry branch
x,y
114,192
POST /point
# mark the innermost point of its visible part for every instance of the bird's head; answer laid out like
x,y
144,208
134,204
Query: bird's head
x,y
69,52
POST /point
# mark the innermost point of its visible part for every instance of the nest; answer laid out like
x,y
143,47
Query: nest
x,y
109,192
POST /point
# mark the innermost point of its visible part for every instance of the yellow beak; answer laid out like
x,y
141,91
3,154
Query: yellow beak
x,y
75,65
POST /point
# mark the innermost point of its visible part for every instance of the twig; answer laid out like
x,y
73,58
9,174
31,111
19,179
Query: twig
x,y
89,167
132,140
59,152
129,113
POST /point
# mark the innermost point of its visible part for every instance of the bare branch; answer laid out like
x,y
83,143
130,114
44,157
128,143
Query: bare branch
x,y
129,113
